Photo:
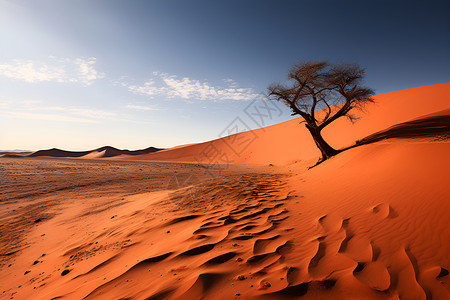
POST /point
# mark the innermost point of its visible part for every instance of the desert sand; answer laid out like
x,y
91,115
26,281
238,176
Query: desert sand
x,y
370,223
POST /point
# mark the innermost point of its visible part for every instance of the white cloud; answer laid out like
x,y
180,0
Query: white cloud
x,y
148,88
186,88
231,82
54,70
140,107
29,71
86,71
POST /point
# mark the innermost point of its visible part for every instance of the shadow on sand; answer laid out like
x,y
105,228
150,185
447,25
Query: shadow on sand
x,y
436,125
432,126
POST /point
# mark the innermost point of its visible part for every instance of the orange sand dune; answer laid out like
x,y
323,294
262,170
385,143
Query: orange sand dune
x,y
379,213
370,223
288,142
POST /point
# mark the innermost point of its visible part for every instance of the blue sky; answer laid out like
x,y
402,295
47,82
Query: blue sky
x,y
132,74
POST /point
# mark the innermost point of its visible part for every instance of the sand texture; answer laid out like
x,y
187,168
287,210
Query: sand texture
x,y
371,223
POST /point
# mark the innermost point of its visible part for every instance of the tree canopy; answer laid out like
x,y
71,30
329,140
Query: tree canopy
x,y
333,89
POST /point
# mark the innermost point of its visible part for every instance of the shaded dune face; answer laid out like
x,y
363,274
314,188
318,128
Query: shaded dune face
x,y
437,125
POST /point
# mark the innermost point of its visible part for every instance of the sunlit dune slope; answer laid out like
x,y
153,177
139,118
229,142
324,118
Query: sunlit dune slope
x,y
381,212
289,141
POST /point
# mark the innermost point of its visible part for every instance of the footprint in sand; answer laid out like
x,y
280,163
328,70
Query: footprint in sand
x,y
348,235
404,272
198,250
220,259
384,210
443,272
330,223
261,245
302,288
183,218
320,253
373,274
263,258
292,275
204,283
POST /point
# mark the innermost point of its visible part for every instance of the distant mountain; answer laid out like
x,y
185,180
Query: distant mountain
x,y
106,151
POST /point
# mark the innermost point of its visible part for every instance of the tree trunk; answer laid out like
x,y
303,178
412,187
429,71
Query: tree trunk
x,y
326,150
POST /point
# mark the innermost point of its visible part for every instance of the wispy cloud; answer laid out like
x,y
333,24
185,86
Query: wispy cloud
x,y
45,117
231,83
35,109
163,84
32,72
30,102
140,107
54,70
91,113
86,71
84,112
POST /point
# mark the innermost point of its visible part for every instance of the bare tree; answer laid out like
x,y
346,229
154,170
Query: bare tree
x,y
321,93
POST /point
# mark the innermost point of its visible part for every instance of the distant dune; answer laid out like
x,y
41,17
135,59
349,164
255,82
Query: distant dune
x,y
54,152
106,151
14,153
